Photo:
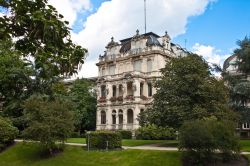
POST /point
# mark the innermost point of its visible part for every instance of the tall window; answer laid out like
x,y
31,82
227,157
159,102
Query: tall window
x,y
149,89
141,89
103,91
112,70
114,91
130,116
103,117
114,117
137,65
149,65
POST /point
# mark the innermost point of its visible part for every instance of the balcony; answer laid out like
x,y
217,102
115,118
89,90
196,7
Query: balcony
x,y
102,100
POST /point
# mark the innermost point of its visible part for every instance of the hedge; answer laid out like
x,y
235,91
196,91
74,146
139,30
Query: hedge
x,y
98,140
153,132
125,134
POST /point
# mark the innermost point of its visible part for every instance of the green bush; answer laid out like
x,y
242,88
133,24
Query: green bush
x,y
202,138
125,134
153,132
7,133
98,140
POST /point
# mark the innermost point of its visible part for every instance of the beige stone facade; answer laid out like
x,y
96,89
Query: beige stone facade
x,y
127,71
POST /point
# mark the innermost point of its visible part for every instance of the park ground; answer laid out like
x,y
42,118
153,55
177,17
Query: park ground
x,y
27,154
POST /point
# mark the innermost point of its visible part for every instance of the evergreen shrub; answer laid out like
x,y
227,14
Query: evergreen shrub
x,y
98,140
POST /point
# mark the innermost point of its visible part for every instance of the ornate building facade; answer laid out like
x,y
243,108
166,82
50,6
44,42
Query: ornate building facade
x,y
127,71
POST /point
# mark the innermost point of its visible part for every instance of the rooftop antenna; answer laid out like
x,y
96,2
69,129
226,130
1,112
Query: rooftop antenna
x,y
145,16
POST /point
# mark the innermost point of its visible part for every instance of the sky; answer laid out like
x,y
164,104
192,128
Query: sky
x,y
210,28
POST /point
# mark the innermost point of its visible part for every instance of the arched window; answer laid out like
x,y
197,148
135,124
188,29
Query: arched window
x,y
149,65
120,117
130,116
103,117
114,117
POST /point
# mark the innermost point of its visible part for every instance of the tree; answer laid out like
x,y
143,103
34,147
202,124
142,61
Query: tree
x,y
187,91
49,121
15,82
40,33
82,95
239,84
200,139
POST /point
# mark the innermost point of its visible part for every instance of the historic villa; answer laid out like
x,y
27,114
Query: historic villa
x,y
127,71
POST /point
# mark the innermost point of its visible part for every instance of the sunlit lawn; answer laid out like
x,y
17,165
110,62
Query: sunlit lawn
x,y
125,142
27,155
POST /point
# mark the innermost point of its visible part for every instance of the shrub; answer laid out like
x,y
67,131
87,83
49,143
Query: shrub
x,y
7,133
201,139
153,132
49,121
125,134
98,140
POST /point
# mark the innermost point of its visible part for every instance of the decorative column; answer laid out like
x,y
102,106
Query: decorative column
x,y
125,118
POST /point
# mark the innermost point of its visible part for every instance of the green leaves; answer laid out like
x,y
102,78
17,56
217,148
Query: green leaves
x,y
188,91
42,34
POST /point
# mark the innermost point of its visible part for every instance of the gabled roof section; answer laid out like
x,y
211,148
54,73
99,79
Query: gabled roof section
x,y
146,34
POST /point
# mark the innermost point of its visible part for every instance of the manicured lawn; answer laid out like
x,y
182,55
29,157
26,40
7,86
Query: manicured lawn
x,y
125,142
27,155
245,145
77,140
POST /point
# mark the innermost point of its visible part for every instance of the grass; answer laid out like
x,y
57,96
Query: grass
x,y
27,155
245,145
125,142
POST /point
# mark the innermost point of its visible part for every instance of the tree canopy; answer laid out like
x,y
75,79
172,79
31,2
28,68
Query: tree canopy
x,y
187,91
238,83
40,32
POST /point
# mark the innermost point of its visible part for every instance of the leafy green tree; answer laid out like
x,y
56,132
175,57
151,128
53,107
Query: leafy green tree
x,y
200,139
187,91
49,121
41,34
15,81
239,84
82,95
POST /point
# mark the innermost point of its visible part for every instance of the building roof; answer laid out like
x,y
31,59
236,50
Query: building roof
x,y
146,34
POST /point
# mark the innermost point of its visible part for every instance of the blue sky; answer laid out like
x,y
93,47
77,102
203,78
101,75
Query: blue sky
x,y
222,24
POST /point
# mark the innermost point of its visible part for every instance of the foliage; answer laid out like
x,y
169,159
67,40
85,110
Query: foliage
x,y
41,33
201,138
238,84
188,91
15,83
153,132
82,96
41,54
125,134
98,140
7,133
49,121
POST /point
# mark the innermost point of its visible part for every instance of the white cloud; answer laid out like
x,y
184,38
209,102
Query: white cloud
x,y
210,53
121,18
71,8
